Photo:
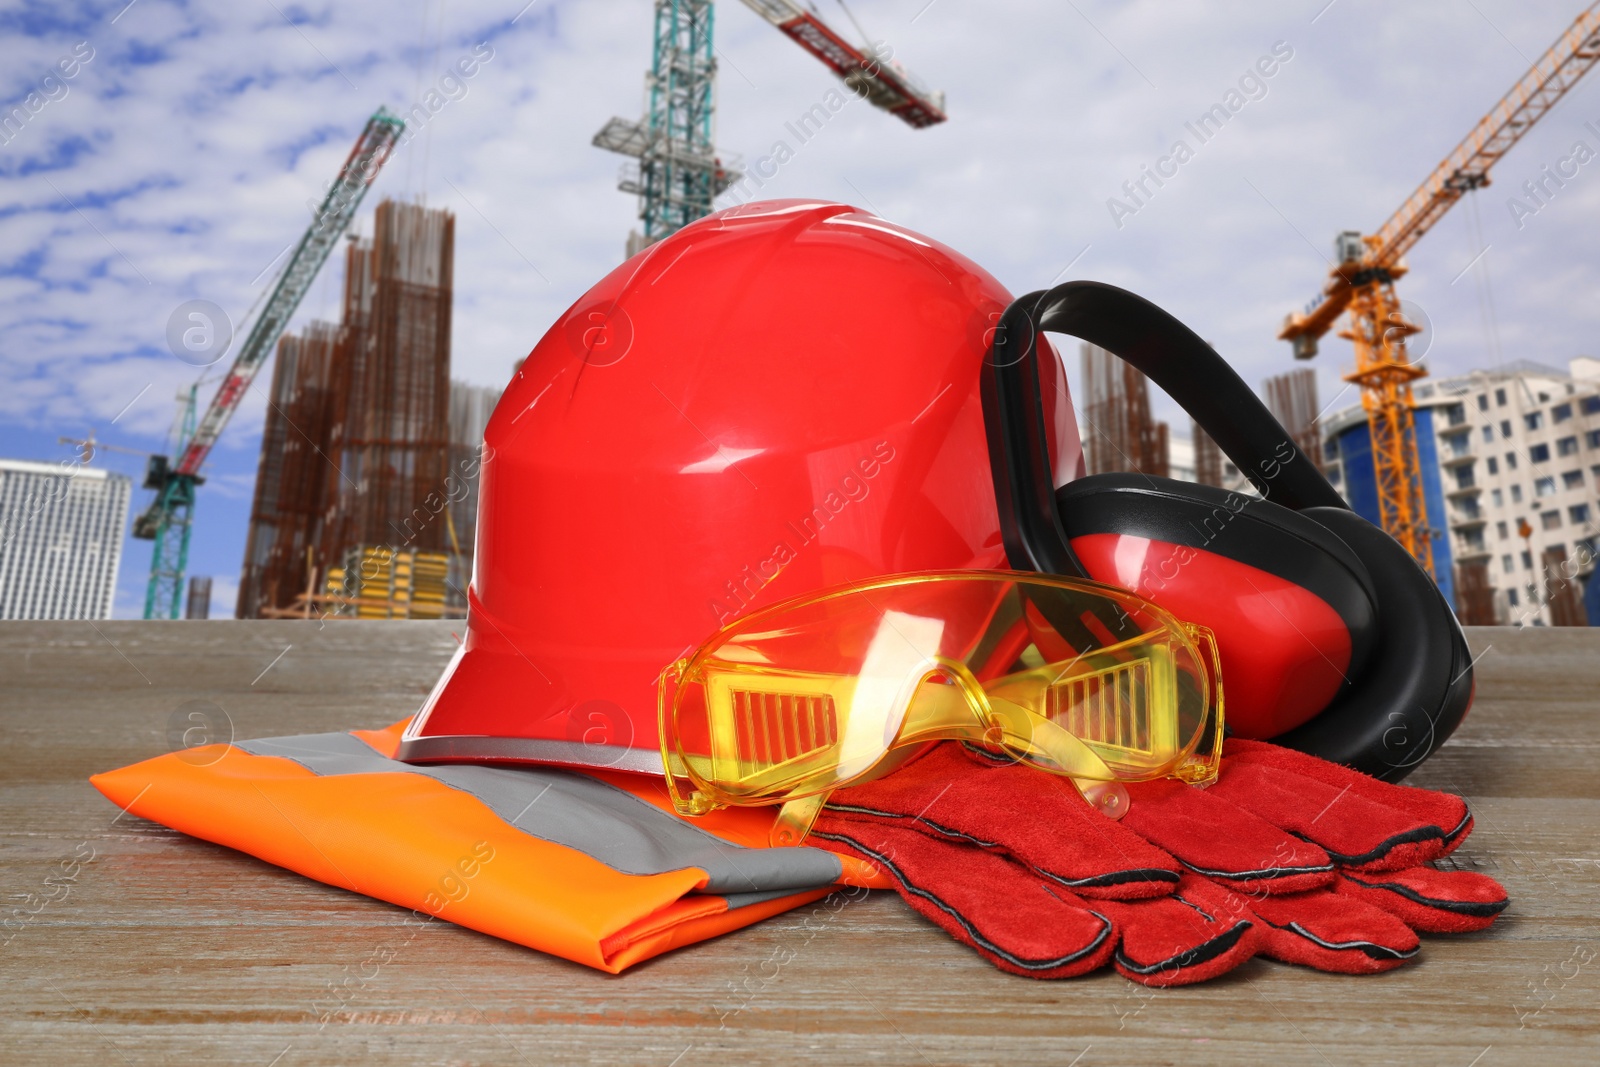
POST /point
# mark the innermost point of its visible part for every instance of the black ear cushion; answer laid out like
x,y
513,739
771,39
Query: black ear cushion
x,y
1418,684
1246,529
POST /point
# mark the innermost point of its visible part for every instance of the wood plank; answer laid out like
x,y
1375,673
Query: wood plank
x,y
164,947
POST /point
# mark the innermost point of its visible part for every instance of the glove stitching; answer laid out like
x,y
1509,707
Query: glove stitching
x,y
1382,849
1111,878
1371,949
983,942
1181,899
1191,957
1257,875
1474,908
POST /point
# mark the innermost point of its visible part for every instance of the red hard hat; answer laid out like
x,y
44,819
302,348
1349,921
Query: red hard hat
x,y
778,398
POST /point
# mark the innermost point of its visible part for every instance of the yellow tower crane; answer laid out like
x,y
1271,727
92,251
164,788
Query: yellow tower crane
x,y
1362,282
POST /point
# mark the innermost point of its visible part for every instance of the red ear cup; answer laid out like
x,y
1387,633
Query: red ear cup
x,y
1292,607
1408,677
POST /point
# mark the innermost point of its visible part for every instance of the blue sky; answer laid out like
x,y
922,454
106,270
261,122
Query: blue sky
x,y
181,158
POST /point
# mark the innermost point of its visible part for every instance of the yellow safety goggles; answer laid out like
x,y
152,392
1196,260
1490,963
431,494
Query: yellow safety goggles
x,y
1070,676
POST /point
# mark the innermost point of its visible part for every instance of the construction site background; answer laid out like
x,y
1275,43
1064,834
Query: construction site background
x,y
367,487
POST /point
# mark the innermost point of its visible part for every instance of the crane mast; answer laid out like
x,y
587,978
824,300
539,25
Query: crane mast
x,y
168,518
678,173
1362,283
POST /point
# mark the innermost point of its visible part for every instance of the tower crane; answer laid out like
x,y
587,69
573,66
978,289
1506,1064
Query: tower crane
x,y
167,519
1362,282
678,173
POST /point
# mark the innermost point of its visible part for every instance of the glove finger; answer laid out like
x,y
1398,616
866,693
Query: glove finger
x,y
1444,812
1354,831
1223,841
1434,902
983,900
1193,935
1039,819
1333,932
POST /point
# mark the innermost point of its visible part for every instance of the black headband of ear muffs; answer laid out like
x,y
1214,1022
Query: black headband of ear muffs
x,y
1405,703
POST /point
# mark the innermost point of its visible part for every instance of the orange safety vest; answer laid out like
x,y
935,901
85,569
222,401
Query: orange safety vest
x,y
591,866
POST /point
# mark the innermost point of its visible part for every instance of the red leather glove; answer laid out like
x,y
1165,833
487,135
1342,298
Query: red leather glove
x,y
1300,859
1014,863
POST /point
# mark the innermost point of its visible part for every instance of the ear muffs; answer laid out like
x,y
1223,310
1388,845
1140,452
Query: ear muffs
x,y
1406,680
1292,607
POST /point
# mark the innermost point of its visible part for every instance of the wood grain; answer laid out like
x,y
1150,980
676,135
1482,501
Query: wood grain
x,y
162,948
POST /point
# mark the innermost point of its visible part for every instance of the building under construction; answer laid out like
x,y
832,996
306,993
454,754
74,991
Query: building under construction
x,y
1292,399
1118,432
354,509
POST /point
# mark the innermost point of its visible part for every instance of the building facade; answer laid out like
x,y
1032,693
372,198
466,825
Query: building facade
x,y
1511,480
61,528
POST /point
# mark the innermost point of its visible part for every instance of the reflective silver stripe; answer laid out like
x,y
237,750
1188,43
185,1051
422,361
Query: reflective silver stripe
x,y
585,814
456,748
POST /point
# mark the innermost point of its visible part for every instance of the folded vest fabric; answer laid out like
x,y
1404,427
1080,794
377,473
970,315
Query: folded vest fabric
x,y
592,866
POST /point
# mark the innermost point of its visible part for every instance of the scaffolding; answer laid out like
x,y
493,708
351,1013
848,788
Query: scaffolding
x,y
286,516
356,452
1121,434
380,582
391,434
1292,399
1207,457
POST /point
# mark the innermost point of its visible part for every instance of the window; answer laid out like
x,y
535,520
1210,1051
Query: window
x,y
1460,444
1472,540
1567,446
1511,597
1499,398
1488,434
1501,532
1464,480
1589,405
1561,413
1527,560
1511,461
1533,419
1506,564
1333,475
1505,427
1544,486
1483,401
1494,465
1572,480
1499,499
1330,449
1550,520
1584,551
1538,453
1578,514
1455,414
1516,494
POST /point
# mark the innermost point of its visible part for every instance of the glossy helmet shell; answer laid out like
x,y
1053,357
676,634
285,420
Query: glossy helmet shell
x,y
778,398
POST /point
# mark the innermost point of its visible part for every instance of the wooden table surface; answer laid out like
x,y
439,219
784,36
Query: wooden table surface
x,y
167,949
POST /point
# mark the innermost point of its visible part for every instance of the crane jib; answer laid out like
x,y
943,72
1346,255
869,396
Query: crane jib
x,y
338,207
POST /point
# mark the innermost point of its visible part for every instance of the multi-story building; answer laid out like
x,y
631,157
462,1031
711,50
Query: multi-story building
x,y
61,529
1511,480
